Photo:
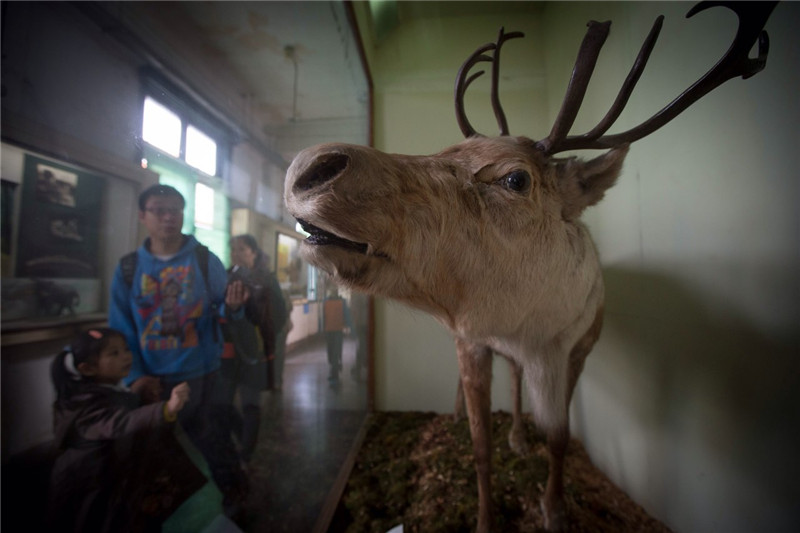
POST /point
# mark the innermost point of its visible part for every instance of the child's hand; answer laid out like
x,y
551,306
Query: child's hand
x,y
178,398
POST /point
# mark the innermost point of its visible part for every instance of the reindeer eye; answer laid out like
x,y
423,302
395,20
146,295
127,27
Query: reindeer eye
x,y
517,181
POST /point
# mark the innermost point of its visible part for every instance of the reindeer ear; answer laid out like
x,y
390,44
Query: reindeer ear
x,y
584,183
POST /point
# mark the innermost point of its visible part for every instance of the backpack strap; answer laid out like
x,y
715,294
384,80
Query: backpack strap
x,y
128,267
201,253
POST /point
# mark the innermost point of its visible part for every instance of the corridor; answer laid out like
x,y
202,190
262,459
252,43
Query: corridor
x,y
307,432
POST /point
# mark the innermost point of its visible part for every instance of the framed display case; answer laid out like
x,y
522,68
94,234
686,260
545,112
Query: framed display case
x,y
291,270
54,269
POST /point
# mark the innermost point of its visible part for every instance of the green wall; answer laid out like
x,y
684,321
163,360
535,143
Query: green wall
x,y
688,401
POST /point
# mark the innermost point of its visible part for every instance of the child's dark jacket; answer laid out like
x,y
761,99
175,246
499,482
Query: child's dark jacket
x,y
119,468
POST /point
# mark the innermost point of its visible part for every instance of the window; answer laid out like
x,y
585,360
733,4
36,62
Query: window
x,y
203,206
164,129
201,151
161,127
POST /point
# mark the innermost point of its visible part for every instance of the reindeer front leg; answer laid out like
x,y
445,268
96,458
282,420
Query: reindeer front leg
x,y
475,366
553,505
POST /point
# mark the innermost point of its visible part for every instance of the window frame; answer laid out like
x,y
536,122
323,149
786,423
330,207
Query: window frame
x,y
191,113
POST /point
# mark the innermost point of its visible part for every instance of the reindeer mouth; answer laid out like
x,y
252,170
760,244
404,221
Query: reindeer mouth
x,y
320,237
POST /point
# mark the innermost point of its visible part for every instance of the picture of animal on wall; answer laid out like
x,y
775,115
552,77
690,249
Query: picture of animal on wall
x,y
55,186
486,235
61,210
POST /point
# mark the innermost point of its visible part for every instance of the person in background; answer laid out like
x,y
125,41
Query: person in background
x,y
167,298
360,315
104,478
280,341
336,321
266,310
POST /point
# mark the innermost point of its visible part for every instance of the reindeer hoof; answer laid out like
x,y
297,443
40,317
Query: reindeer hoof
x,y
555,516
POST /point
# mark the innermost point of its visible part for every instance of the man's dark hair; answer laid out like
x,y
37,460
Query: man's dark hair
x,y
159,190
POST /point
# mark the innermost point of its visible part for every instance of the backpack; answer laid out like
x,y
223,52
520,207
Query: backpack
x,y
128,262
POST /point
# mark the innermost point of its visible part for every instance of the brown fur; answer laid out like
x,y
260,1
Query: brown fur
x,y
506,271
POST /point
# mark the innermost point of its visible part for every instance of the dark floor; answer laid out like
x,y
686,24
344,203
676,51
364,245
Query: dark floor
x,y
307,431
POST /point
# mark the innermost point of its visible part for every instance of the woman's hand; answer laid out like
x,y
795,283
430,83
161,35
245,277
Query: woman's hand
x,y
236,295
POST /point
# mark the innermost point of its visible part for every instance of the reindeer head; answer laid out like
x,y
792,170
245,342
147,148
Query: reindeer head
x,y
489,222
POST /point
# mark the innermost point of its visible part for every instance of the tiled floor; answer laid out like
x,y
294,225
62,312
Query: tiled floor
x,y
307,432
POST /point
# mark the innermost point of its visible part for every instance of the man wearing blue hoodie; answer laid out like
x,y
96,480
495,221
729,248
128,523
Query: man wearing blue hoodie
x,y
166,299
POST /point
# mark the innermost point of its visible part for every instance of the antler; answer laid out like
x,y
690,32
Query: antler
x,y
752,18
462,83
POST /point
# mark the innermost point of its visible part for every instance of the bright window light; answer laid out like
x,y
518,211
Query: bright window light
x,y
161,127
201,151
203,206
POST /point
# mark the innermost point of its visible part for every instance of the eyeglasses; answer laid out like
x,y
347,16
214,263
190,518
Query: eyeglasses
x,y
164,211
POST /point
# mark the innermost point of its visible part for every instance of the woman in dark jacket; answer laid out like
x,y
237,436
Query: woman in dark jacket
x,y
119,467
251,368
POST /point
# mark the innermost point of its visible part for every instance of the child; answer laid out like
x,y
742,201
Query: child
x,y
119,466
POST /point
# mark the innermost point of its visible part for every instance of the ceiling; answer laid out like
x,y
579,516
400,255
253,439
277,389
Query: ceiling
x,y
298,57
272,63
265,40
292,62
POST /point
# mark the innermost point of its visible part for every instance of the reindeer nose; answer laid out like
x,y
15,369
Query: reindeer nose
x,y
322,170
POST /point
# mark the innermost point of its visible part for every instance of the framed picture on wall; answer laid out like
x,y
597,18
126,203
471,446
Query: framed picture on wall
x,y
57,255
291,270
61,209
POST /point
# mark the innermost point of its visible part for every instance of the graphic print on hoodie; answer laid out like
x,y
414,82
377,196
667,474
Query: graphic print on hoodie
x,y
168,309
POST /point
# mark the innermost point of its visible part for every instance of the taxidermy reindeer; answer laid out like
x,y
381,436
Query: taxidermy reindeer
x,y
486,236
